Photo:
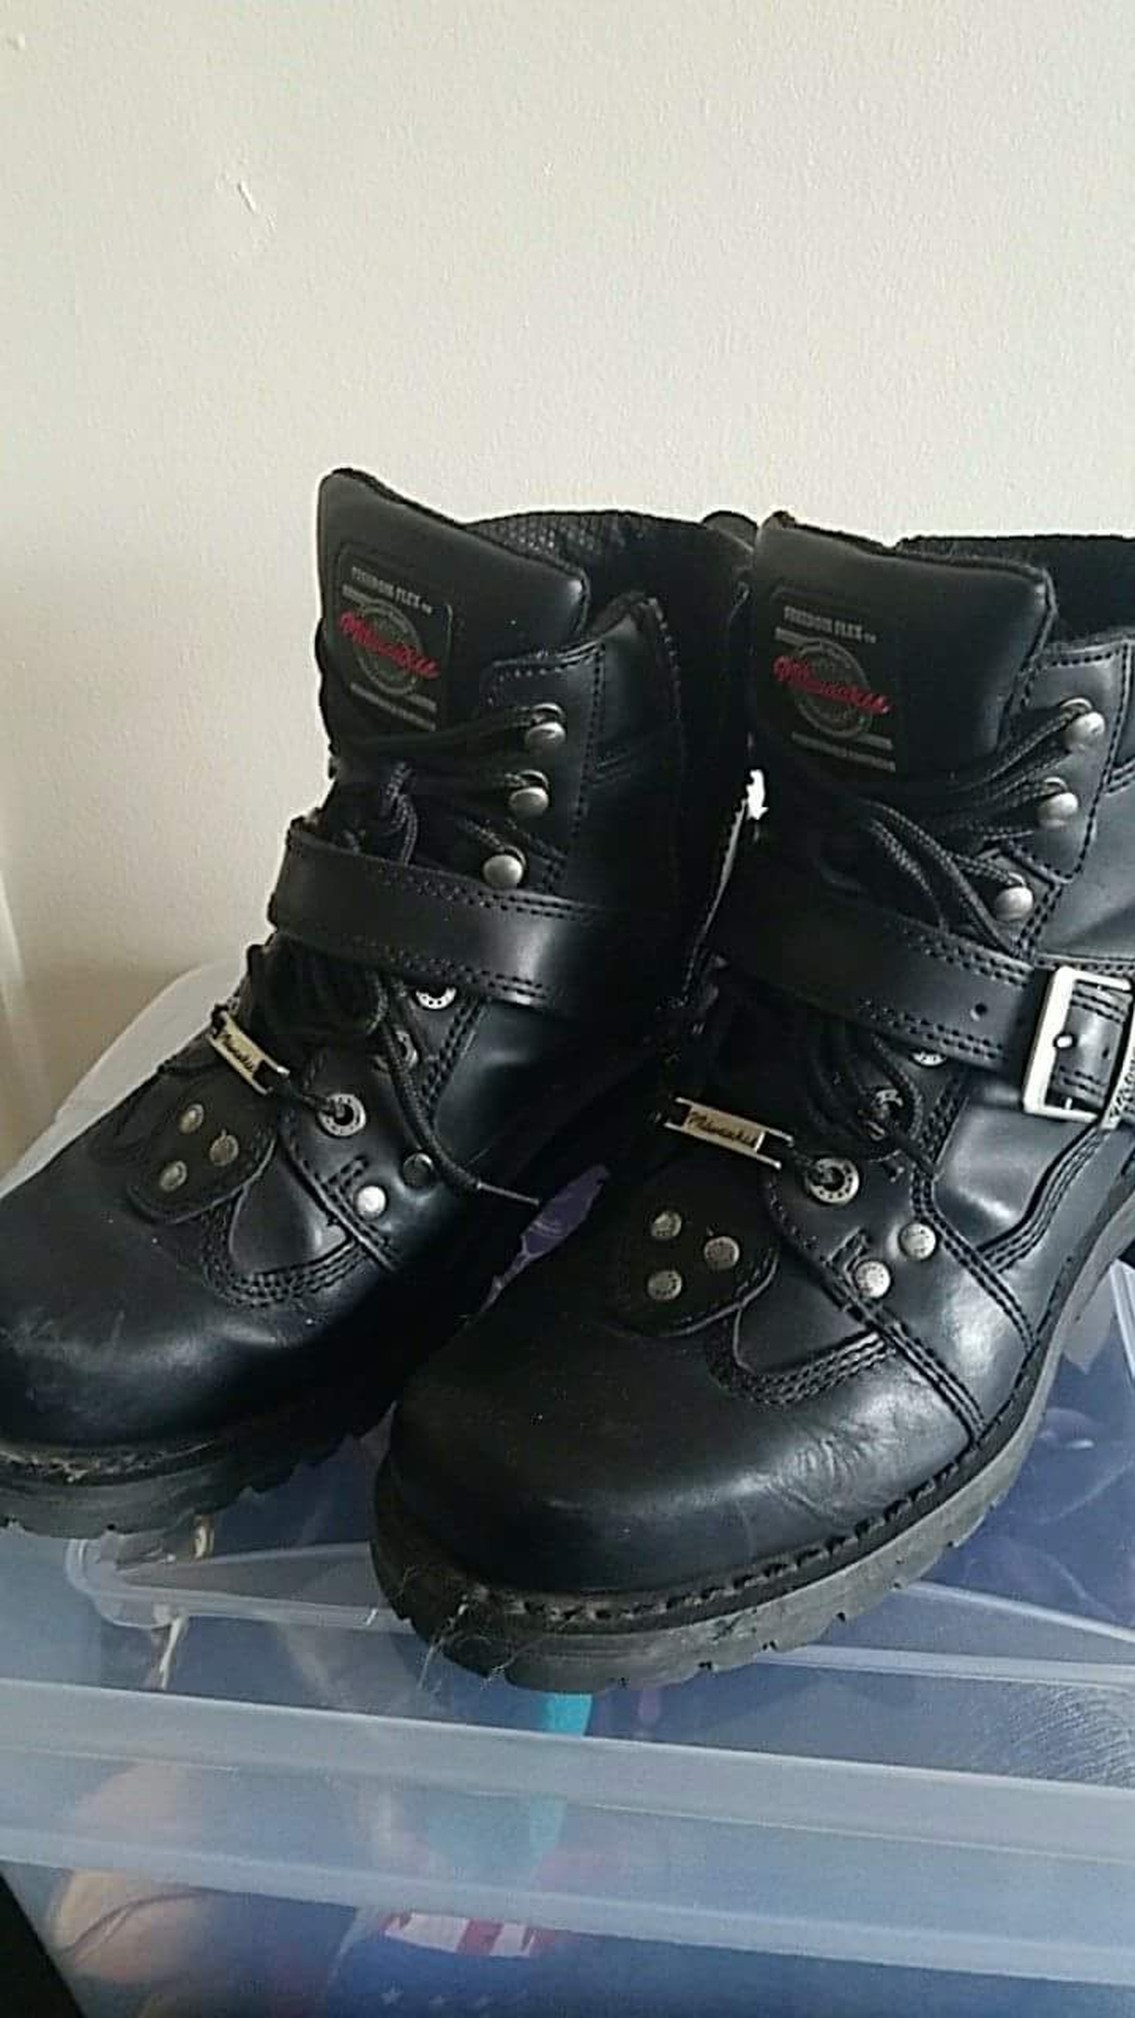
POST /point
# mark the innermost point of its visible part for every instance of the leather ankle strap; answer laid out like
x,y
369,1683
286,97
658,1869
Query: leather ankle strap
x,y
571,959
937,991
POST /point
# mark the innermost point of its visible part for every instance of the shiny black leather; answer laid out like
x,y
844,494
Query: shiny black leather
x,y
593,1459
542,951
139,1320
935,988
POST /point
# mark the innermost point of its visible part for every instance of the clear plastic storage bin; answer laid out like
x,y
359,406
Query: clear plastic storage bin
x,y
232,1785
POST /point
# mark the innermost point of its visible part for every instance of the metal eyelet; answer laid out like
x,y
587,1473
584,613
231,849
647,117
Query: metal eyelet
x,y
342,1114
831,1180
1058,805
406,1046
1085,725
664,1285
173,1176
1013,904
191,1119
443,1000
666,1225
884,1102
530,801
548,731
223,1150
418,1171
505,871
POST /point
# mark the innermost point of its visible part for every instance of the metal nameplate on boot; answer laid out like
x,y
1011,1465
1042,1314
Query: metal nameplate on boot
x,y
243,1053
727,1131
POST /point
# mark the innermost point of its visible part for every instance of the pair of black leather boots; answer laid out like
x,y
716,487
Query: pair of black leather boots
x,y
863,1072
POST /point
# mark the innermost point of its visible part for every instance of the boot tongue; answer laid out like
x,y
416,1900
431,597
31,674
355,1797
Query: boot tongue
x,y
415,607
883,662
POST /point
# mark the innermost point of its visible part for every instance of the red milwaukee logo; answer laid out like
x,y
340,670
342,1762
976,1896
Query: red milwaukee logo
x,y
798,673
403,656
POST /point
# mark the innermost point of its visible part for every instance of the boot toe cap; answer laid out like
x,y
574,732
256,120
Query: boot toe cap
x,y
544,1451
104,1339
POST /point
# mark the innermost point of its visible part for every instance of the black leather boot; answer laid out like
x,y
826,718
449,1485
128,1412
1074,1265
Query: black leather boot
x,y
537,757
806,1339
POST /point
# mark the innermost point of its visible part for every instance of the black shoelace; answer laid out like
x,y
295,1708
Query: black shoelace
x,y
928,848
297,1000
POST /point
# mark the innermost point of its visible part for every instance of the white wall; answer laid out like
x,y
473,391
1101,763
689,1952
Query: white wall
x,y
869,261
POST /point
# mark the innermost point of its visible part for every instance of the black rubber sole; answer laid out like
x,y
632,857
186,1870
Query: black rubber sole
x,y
140,1489
135,1490
567,1643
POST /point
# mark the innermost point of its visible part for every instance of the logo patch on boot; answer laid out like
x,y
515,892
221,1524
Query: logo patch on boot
x,y
820,668
394,639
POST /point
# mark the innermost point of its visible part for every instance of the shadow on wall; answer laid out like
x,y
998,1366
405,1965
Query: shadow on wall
x,y
185,757
111,997
20,1105
14,1133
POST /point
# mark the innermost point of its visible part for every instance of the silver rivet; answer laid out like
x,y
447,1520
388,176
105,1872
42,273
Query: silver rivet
x,y
370,1201
418,1171
173,1177
664,1285
871,1278
549,732
530,800
444,999
930,1059
1013,904
407,1047
720,1252
224,1150
1058,806
666,1225
831,1180
504,871
191,1118
1085,727
342,1114
918,1241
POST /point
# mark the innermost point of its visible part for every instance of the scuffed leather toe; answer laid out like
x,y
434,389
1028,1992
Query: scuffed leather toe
x,y
546,1449
101,1328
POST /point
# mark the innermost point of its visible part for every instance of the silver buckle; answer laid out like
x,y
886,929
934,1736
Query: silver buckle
x,y
1046,1049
